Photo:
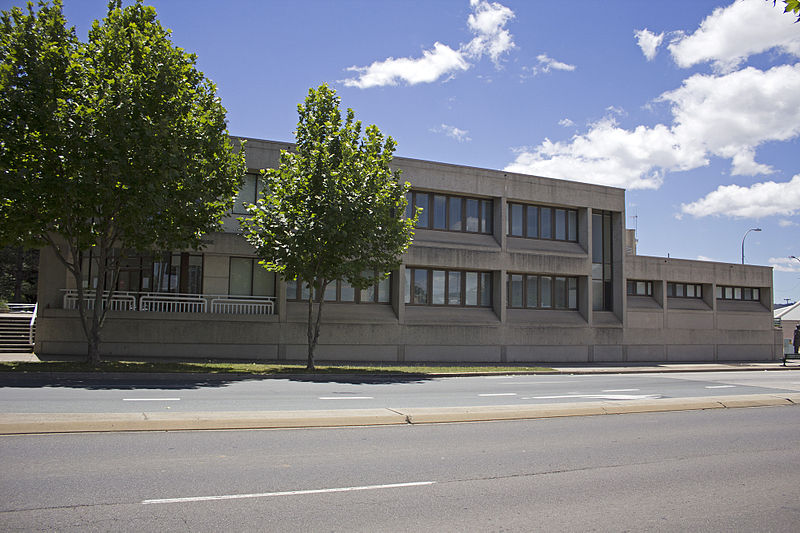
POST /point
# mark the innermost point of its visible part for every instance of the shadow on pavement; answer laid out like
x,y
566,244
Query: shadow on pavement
x,y
182,381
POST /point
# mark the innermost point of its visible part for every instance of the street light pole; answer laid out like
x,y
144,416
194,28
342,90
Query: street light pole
x,y
745,236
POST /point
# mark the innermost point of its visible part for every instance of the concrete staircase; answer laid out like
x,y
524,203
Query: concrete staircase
x,y
15,333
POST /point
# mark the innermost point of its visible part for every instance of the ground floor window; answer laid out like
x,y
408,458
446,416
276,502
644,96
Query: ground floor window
x,y
172,272
640,288
442,287
534,291
343,292
684,290
247,278
738,293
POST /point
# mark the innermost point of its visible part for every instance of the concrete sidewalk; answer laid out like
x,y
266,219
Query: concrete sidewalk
x,y
559,368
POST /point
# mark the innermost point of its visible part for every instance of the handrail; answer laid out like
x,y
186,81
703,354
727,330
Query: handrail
x,y
32,322
171,302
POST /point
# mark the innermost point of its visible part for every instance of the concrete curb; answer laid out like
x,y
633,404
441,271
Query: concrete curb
x,y
39,423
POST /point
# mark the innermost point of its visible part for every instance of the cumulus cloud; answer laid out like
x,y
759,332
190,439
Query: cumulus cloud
x,y
566,122
724,116
453,132
487,22
732,34
784,264
758,200
648,42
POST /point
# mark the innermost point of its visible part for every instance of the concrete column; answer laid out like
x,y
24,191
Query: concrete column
x,y
500,222
499,296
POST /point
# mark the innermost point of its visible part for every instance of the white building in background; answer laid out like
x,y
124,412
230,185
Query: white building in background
x,y
504,268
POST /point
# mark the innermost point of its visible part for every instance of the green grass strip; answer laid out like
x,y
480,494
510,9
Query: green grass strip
x,y
259,368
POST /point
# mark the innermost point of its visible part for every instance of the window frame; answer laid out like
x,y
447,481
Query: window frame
x,y
549,222
755,293
485,207
483,287
293,286
648,291
569,283
673,286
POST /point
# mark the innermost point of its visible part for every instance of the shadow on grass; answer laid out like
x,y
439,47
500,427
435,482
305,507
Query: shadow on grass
x,y
124,375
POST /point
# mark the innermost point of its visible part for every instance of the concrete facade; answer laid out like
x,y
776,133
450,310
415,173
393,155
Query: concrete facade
x,y
649,327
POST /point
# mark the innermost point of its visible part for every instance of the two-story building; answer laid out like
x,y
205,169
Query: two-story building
x,y
504,267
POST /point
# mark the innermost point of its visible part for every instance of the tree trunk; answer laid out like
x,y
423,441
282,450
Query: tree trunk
x,y
314,322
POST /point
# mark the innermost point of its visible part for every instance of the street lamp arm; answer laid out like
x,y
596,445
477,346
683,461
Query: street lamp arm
x,y
745,236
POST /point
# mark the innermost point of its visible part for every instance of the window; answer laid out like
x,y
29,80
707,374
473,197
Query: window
x,y
602,266
343,292
539,222
640,288
445,212
174,272
248,278
751,294
533,291
440,287
684,290
247,195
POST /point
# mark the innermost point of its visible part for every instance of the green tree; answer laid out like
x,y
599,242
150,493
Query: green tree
x,y
115,144
333,209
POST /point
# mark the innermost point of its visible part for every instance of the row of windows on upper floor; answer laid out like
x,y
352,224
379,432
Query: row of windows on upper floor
x,y
694,290
455,213
445,212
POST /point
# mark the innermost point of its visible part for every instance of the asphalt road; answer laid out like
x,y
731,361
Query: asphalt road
x,y
719,470
131,393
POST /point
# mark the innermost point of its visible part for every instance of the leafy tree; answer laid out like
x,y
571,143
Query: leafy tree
x,y
333,209
115,144
18,274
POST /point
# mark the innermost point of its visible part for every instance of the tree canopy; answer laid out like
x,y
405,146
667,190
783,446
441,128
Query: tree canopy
x,y
119,143
333,209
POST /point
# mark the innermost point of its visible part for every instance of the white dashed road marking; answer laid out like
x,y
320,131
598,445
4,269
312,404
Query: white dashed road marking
x,y
151,399
287,493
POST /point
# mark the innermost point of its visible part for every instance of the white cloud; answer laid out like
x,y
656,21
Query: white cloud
x,y
785,223
566,122
648,42
433,65
546,64
725,116
784,264
453,132
487,22
758,200
732,34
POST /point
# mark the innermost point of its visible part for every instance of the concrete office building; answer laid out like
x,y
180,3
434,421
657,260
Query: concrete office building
x,y
504,268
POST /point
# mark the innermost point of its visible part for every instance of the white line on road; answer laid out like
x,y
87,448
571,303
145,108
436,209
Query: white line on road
x,y
287,493
500,394
151,399
621,390
346,398
600,396
720,386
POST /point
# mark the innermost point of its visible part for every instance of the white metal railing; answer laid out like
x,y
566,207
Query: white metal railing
x,y
168,303
120,301
243,305
32,323
21,308
161,302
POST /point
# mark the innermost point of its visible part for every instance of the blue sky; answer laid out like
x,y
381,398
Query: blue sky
x,y
693,106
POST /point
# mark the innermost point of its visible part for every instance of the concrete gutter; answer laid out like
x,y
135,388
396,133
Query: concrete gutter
x,y
39,423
